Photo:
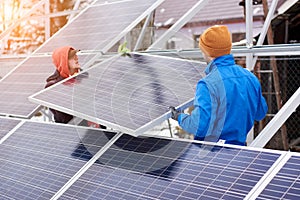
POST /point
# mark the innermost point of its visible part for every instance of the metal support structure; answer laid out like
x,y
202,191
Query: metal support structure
x,y
286,5
122,34
143,31
265,28
265,50
178,25
17,22
274,125
76,6
47,20
249,32
267,23
276,83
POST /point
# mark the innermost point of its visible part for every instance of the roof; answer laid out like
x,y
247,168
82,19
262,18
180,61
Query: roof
x,y
172,10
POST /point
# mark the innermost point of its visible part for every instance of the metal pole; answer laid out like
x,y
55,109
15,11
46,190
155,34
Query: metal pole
x,y
278,120
178,25
249,32
142,34
47,20
76,6
275,78
265,28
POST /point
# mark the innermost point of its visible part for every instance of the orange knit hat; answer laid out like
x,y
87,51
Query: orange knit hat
x,y
60,58
216,41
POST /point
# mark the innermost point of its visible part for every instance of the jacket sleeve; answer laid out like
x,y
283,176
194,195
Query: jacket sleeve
x,y
262,107
198,122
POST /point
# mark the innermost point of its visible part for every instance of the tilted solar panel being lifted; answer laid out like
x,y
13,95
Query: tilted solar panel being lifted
x,y
93,29
130,94
27,79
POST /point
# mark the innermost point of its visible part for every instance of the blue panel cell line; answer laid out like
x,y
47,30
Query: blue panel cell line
x,y
98,32
129,94
7,125
155,168
37,159
286,182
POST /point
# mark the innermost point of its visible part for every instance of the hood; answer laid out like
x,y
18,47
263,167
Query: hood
x,y
60,60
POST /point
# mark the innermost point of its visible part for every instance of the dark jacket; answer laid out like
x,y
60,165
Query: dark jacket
x,y
60,60
59,117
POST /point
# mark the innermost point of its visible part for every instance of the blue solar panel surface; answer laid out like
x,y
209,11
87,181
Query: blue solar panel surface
x,y
151,168
38,159
286,183
101,24
130,94
6,125
94,29
28,78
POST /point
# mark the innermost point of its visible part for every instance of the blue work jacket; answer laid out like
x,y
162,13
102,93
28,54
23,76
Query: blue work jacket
x,y
227,101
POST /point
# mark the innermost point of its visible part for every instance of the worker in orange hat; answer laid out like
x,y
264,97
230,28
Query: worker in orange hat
x,y
228,100
66,64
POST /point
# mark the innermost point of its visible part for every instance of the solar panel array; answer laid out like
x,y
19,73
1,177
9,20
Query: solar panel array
x,y
6,125
93,29
151,168
286,183
99,29
131,94
46,160
51,161
38,159
25,80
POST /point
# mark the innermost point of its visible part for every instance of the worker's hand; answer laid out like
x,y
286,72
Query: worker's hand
x,y
92,124
174,113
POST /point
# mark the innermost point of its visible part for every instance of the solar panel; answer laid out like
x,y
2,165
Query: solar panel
x,y
6,125
39,158
130,94
153,168
102,25
286,183
94,29
55,161
25,80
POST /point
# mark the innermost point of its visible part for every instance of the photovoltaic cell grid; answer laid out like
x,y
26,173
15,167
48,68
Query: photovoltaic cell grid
x,y
100,25
38,159
131,94
286,183
152,168
6,125
27,79
94,29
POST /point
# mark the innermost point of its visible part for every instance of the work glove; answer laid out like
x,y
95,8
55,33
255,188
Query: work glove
x,y
174,113
123,50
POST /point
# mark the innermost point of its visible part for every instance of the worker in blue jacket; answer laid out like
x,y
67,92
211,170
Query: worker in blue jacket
x,y
228,99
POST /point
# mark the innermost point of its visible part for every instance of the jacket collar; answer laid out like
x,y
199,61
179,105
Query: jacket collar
x,y
218,62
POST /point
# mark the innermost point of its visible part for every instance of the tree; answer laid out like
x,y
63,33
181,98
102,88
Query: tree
x,y
29,33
